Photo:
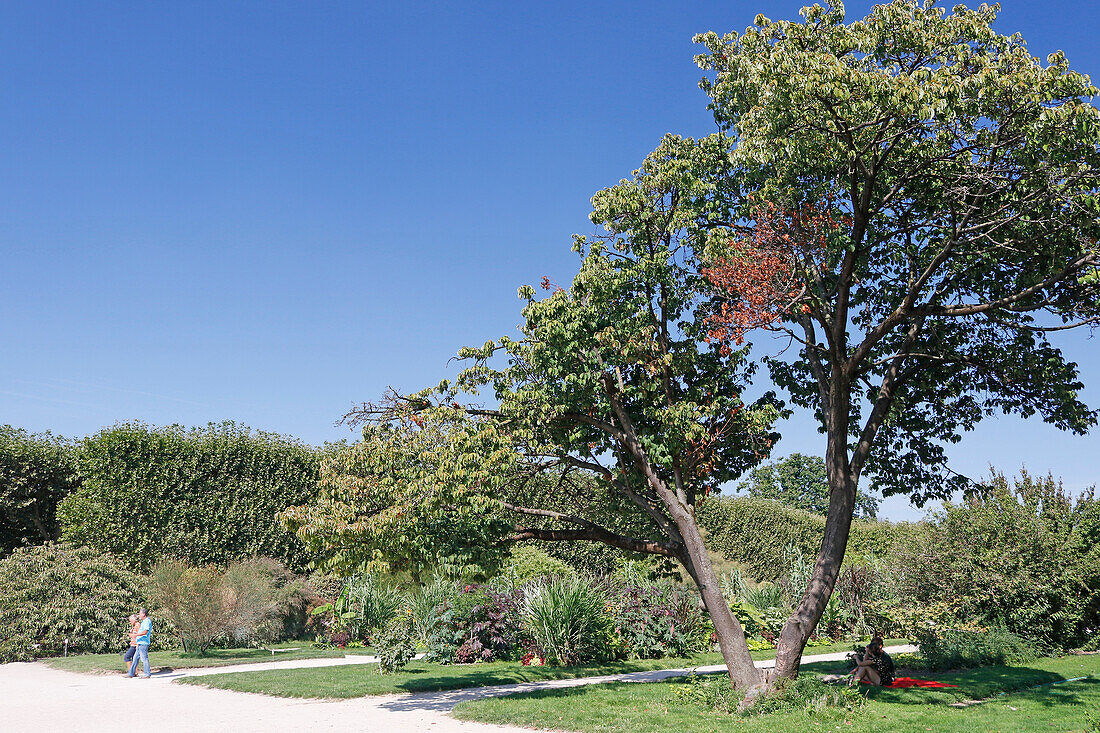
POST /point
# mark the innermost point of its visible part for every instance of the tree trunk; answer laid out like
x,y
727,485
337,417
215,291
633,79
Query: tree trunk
x,y
731,637
838,523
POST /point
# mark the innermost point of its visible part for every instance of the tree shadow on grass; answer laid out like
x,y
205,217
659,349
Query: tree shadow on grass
x,y
981,683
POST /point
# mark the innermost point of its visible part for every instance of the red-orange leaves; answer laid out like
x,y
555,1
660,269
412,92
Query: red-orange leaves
x,y
761,278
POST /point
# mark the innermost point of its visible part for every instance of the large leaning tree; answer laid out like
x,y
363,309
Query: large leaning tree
x,y
910,200
914,209
609,420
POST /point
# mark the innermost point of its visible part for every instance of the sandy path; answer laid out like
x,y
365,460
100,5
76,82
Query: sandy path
x,y
34,697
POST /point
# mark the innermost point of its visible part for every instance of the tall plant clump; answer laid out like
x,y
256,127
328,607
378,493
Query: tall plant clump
x,y
209,496
568,619
249,602
427,603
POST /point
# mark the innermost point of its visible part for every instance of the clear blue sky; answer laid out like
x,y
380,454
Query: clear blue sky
x,y
266,211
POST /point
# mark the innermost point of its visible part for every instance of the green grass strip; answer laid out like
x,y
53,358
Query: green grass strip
x,y
659,706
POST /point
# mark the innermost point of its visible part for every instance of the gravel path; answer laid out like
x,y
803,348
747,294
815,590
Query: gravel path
x,y
35,697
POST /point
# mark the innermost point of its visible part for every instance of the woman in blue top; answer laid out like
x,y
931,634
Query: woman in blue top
x,y
144,636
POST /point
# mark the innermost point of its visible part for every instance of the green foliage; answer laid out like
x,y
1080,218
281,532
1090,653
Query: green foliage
x,y
395,645
53,592
271,600
659,620
478,625
942,649
526,563
1025,556
413,497
588,558
807,694
919,131
204,495
800,481
250,601
757,533
36,472
424,602
568,619
366,603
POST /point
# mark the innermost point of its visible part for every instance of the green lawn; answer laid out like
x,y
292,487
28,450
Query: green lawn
x,y
359,680
103,663
641,708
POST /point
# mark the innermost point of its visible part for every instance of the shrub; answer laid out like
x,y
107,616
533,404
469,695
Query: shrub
x,y
1024,556
479,625
962,649
394,644
527,563
249,602
659,620
55,592
207,496
36,472
268,601
567,619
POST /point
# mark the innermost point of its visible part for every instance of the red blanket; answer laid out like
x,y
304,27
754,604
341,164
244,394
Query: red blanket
x,y
910,682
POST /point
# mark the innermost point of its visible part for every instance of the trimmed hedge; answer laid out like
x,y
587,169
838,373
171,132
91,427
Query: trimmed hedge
x,y
206,495
757,532
36,471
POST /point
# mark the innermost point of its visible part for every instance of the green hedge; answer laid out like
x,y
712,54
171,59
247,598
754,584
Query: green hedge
x,y
36,471
757,532
206,496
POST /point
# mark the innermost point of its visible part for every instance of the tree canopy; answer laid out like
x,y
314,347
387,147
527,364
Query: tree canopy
x,y
36,472
615,417
918,194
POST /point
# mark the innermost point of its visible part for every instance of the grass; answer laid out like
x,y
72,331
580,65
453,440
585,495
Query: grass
x,y
174,658
641,708
358,680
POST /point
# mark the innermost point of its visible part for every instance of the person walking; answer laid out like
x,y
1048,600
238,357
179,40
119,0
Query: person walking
x,y
144,636
128,655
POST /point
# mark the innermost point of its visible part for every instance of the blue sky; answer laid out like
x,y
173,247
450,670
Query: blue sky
x,y
266,211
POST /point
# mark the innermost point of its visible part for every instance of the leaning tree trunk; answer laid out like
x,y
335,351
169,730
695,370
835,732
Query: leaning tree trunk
x,y
838,523
731,637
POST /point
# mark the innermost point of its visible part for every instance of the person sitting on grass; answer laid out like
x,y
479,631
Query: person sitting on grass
x,y
876,666
128,655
